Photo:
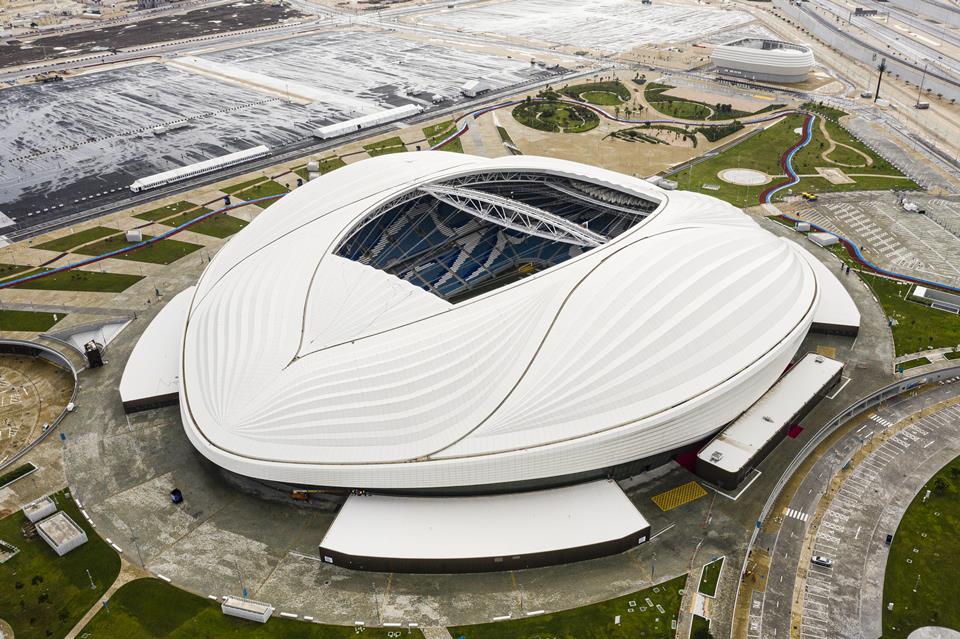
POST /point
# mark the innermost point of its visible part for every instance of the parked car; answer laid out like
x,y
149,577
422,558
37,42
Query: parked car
x,y
820,560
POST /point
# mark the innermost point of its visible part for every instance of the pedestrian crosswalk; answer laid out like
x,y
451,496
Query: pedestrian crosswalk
x,y
886,423
796,514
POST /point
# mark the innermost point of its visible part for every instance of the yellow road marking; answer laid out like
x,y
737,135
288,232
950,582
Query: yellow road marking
x,y
676,497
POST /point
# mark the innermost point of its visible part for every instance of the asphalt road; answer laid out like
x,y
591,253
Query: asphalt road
x,y
850,528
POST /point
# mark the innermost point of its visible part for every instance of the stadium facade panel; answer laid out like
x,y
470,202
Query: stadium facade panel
x,y
764,60
437,321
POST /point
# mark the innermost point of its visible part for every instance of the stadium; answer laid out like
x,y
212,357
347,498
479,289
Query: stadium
x,y
438,322
764,60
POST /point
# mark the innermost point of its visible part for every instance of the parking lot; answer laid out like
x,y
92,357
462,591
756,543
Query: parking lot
x,y
926,246
845,600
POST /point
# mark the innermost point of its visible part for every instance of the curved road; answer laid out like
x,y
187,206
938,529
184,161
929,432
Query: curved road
x,y
845,601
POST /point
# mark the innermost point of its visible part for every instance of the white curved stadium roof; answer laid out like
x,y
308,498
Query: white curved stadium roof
x,y
303,366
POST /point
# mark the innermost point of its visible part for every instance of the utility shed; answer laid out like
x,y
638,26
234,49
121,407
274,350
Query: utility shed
x,y
823,239
39,509
61,533
246,609
483,533
743,444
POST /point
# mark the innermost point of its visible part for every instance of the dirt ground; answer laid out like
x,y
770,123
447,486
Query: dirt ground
x,y
32,392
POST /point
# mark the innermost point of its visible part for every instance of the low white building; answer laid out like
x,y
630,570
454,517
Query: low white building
x,y
39,509
246,609
61,533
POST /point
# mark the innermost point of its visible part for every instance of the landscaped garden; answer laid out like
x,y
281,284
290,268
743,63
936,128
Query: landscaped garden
x,y
603,93
42,595
656,95
553,116
920,587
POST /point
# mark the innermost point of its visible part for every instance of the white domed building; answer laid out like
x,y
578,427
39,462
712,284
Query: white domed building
x,y
433,321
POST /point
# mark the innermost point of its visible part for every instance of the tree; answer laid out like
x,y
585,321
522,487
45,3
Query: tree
x,y
881,68
701,633
940,486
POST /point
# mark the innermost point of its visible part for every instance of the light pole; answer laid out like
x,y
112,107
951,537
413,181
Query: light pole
x,y
920,89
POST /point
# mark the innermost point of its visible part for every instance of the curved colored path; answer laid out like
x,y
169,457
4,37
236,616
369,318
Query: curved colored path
x,y
786,163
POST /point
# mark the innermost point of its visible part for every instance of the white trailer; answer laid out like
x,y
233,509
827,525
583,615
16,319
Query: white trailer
x,y
199,168
367,121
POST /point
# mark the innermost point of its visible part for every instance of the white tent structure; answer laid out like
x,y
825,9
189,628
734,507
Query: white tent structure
x,y
436,320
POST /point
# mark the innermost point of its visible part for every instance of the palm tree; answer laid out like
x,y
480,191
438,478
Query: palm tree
x,y
881,68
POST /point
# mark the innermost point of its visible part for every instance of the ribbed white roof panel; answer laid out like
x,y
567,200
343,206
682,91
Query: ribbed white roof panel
x,y
299,365
793,60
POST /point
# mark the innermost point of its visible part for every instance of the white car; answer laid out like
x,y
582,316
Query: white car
x,y
826,562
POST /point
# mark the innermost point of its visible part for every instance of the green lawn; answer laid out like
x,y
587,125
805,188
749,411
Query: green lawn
x,y
920,579
760,152
438,132
220,225
952,355
239,186
325,165
383,147
699,628
83,281
154,215
608,93
162,252
913,363
27,321
152,609
808,158
263,189
595,621
555,116
918,326
6,270
710,576
14,474
42,595
67,242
